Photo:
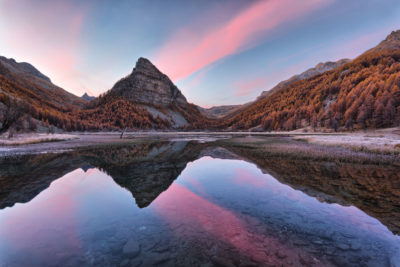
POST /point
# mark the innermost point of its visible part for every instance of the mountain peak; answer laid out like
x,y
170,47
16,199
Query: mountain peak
x,y
145,65
143,62
147,85
87,97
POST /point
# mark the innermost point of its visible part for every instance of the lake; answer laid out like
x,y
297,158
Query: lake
x,y
185,203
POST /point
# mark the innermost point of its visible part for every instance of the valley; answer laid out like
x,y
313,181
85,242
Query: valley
x,y
348,95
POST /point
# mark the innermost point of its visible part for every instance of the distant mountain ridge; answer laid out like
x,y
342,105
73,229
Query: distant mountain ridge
x,y
318,69
87,97
218,111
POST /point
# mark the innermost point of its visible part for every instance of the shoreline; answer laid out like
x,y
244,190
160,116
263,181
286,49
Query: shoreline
x,y
377,141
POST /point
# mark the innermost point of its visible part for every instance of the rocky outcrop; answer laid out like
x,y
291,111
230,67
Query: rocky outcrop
x,y
391,42
147,85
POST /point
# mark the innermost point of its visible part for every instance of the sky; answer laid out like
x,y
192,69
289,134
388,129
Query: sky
x,y
218,52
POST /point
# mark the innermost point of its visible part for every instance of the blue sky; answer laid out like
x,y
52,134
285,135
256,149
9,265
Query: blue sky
x,y
217,52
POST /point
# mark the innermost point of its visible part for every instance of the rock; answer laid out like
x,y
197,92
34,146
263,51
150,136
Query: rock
x,y
343,246
131,248
147,85
160,258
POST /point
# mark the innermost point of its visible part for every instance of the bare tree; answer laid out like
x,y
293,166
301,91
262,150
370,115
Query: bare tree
x,y
122,134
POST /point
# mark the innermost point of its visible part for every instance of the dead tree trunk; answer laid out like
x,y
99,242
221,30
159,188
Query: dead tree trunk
x,y
122,134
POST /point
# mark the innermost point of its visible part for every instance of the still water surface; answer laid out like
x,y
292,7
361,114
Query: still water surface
x,y
217,212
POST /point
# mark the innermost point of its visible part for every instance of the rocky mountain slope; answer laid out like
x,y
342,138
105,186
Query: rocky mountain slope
x,y
29,99
36,85
232,110
363,93
152,92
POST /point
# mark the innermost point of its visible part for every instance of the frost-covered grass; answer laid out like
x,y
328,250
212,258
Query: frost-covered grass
x,y
24,139
358,141
262,148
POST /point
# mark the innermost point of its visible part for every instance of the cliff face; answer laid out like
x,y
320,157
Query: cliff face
x,y
147,85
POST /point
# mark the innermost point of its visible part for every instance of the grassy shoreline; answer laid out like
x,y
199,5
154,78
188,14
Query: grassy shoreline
x,y
294,145
28,139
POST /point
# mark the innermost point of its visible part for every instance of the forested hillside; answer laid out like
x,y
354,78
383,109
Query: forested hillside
x,y
361,94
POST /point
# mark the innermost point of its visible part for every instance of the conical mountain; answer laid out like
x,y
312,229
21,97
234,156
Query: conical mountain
x,y
150,97
147,85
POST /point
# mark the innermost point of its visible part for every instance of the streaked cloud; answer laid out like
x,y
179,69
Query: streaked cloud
x,y
188,51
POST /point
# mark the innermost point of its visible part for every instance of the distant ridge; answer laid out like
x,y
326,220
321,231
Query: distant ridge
x,y
87,97
318,69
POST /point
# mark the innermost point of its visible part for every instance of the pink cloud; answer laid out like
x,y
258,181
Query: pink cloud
x,y
188,50
189,214
202,214
246,178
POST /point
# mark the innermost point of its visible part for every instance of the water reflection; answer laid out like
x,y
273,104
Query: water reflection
x,y
180,204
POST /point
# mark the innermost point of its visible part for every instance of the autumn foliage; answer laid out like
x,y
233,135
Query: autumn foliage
x,y
362,94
